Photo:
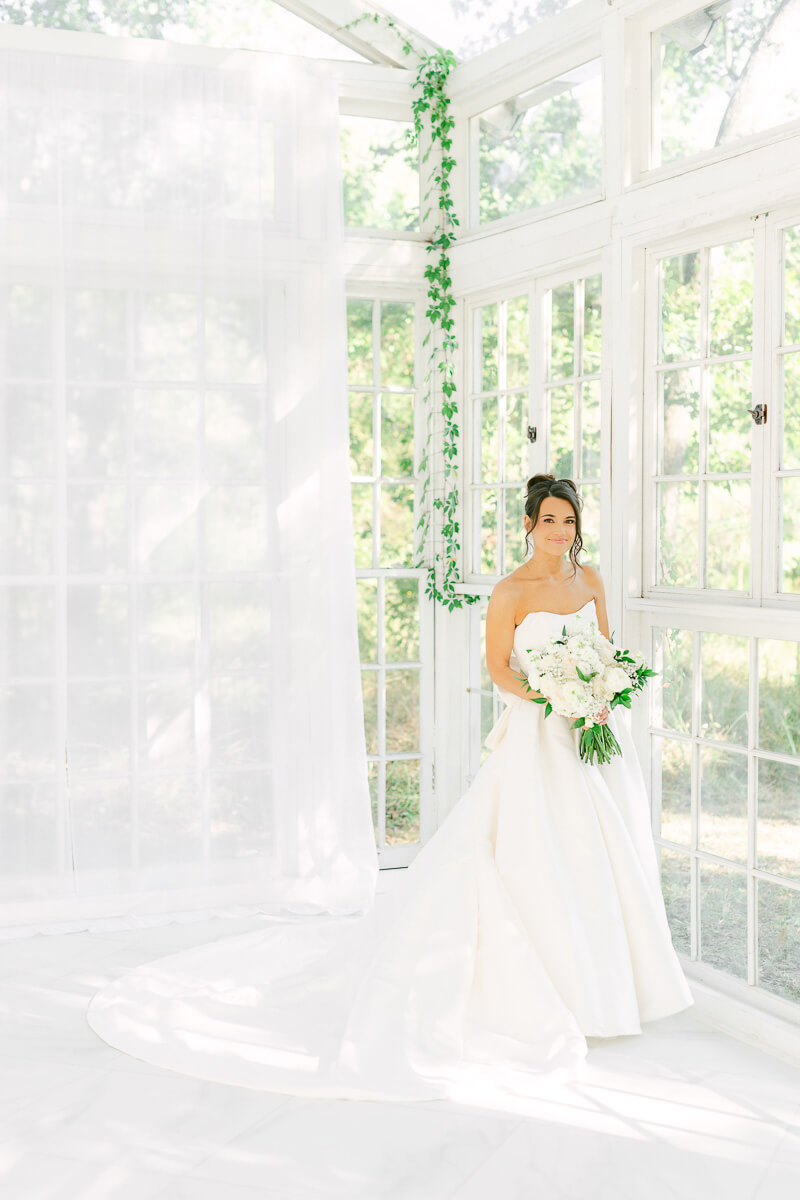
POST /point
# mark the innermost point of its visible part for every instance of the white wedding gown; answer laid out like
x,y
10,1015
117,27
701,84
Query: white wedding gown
x,y
532,920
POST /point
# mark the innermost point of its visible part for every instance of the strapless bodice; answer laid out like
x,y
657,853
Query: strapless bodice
x,y
535,628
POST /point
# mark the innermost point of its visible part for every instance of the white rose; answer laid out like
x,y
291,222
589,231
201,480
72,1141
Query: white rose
x,y
617,679
607,652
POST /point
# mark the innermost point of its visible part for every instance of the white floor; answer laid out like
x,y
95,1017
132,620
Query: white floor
x,y
681,1112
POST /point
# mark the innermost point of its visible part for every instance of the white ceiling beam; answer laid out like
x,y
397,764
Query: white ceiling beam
x,y
371,38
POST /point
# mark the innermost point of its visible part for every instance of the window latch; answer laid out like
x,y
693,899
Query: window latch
x,y
759,414
531,433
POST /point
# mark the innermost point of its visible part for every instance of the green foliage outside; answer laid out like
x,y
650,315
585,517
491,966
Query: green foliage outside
x,y
554,154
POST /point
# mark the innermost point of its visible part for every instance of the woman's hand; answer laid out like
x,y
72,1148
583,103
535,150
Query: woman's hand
x,y
602,717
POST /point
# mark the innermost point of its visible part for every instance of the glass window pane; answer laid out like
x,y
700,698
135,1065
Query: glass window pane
x,y
28,443
487,428
728,513
592,323
97,630
778,831
676,889
166,336
562,332
28,623
29,341
361,439
362,523
233,337
487,348
240,814
723,918
542,146
678,534
590,430
96,334
97,528
515,428
790,447
235,528
397,525
359,341
680,308
730,426
723,804
96,431
514,533
369,692
169,822
725,73
101,814
367,605
680,433
238,624
730,269
164,433
791,296
402,802
779,696
99,726
789,499
373,778
672,688
778,939
402,710
562,431
234,442
486,503
397,434
724,700
166,723
397,344
167,627
401,619
380,174
166,528
28,734
590,522
239,709
26,529
672,762
517,339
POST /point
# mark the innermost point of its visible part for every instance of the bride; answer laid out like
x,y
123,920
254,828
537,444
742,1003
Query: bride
x,y
531,921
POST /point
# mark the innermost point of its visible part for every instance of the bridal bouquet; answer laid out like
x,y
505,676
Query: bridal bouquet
x,y
579,674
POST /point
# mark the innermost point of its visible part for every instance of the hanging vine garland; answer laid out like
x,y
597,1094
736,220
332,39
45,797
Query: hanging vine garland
x,y
431,115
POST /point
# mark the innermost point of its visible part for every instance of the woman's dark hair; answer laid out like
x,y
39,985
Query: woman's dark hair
x,y
540,487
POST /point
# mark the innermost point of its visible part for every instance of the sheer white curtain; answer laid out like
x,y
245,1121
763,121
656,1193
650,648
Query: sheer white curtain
x,y
180,719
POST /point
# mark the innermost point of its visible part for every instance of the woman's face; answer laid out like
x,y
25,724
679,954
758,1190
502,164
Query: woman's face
x,y
555,528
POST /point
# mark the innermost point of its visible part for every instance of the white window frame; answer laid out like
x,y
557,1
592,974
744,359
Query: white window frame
x,y
536,289
401,854
642,117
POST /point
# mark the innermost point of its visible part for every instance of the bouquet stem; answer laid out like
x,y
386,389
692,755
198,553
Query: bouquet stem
x,y
597,744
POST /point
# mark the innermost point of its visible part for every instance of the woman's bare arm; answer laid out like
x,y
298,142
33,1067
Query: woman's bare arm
x,y
500,642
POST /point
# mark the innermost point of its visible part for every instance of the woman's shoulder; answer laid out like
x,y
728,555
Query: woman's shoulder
x,y
590,575
509,587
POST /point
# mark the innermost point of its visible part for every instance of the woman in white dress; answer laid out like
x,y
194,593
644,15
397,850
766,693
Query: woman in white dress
x,y
531,921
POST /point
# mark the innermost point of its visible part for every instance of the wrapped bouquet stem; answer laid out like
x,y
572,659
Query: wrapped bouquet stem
x,y
578,675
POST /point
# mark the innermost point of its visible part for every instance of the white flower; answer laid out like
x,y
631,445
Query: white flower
x,y
606,651
617,679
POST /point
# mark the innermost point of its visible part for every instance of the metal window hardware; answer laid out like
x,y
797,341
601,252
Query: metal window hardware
x,y
759,414
531,433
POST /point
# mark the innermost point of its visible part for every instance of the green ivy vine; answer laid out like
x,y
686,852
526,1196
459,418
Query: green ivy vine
x,y
431,115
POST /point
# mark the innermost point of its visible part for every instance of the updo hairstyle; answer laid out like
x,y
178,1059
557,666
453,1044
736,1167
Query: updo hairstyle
x,y
542,486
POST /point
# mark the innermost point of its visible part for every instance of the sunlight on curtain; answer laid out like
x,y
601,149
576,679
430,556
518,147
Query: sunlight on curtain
x,y
180,709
